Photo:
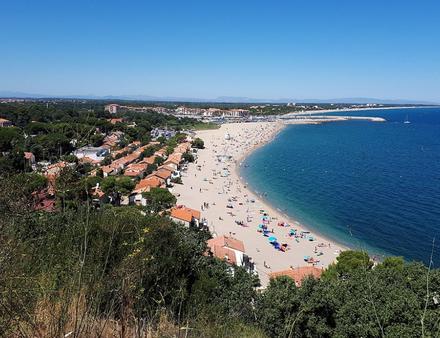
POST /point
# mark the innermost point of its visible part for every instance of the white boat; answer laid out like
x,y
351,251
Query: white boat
x,y
406,120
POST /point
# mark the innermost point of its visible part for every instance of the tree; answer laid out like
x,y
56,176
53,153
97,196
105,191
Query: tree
x,y
188,157
198,143
9,138
158,160
159,199
123,185
169,150
149,151
30,182
277,306
347,262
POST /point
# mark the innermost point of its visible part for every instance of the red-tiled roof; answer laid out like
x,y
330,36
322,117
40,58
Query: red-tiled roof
x,y
298,274
185,214
147,183
163,173
227,242
225,254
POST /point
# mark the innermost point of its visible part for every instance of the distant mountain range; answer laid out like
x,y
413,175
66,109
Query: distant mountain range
x,y
220,99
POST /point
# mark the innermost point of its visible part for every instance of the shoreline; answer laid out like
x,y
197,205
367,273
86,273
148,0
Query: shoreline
x,y
290,219
204,182
325,111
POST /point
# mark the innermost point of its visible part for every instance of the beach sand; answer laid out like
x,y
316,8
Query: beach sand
x,y
206,182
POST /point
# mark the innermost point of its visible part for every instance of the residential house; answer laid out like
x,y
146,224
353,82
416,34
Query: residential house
x,y
111,141
144,185
298,274
228,248
172,162
186,216
164,174
136,170
148,160
161,153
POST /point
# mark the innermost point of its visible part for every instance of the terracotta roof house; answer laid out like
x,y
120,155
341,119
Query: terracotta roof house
x,y
182,147
144,185
232,244
136,169
185,215
149,160
173,162
55,169
147,183
108,170
225,254
298,274
163,173
161,153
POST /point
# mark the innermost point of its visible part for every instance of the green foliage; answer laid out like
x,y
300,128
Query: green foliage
x,y
9,138
277,306
123,185
158,160
188,157
31,181
149,151
159,199
128,264
347,262
107,160
198,143
169,150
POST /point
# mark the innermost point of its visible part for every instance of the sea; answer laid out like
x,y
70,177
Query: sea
x,y
371,186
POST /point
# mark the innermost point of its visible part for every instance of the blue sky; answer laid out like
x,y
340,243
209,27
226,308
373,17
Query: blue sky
x,y
259,49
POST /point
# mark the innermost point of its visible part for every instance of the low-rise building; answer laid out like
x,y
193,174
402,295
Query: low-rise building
x,y
227,248
186,216
136,170
298,274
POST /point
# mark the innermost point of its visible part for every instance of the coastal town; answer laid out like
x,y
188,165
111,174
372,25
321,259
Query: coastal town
x,y
159,203
200,171
220,169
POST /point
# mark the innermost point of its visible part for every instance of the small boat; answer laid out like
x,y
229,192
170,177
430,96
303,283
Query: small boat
x,y
406,120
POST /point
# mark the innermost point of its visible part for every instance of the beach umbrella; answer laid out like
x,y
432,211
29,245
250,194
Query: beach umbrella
x,y
272,239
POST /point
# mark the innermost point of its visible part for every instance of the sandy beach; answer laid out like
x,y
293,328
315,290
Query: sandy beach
x,y
215,180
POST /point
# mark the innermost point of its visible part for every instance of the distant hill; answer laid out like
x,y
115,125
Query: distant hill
x,y
226,99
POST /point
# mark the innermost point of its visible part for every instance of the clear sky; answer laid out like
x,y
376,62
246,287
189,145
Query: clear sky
x,y
260,49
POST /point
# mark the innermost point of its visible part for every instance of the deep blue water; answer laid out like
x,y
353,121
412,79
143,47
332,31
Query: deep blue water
x,y
367,185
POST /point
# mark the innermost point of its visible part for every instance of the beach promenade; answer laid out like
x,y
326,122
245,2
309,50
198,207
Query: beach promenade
x,y
213,186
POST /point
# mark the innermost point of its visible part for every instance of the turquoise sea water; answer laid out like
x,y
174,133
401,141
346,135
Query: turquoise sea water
x,y
366,185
